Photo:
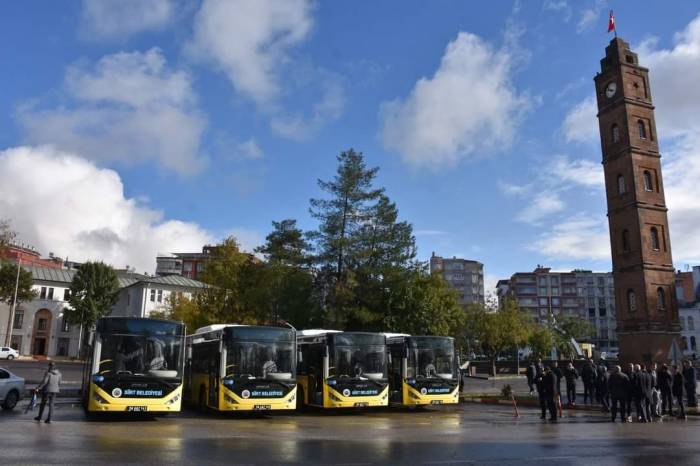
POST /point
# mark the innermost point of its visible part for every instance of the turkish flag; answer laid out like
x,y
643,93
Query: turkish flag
x,y
611,22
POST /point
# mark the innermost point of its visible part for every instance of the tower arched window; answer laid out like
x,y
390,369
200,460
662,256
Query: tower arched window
x,y
626,241
660,299
693,344
631,301
648,183
642,129
655,239
684,343
621,188
615,133
691,323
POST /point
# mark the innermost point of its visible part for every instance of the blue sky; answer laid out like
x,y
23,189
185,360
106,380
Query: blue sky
x,y
133,127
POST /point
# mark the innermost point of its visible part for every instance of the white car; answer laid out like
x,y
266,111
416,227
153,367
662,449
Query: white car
x,y
8,353
11,389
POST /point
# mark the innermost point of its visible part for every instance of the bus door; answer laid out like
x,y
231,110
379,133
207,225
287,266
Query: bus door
x,y
315,373
396,373
214,371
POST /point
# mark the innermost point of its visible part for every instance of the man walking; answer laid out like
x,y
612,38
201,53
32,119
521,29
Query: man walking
x,y
539,383
571,374
641,383
665,381
677,389
691,383
49,388
618,384
602,388
655,393
550,393
588,375
530,373
629,372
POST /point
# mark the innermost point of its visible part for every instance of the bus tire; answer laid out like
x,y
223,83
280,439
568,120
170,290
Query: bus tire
x,y
202,400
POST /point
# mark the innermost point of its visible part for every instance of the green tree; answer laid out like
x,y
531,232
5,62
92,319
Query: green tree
x,y
187,310
7,236
286,245
541,341
8,281
567,328
93,292
496,332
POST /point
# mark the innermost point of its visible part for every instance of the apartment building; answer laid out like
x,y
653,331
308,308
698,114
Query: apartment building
x,y
463,275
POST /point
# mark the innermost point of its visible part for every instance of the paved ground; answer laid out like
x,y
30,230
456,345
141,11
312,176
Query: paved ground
x,y
464,434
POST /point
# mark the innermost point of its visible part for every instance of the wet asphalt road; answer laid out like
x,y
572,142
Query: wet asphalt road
x,y
466,434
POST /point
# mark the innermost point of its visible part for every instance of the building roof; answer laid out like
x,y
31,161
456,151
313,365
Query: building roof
x,y
125,279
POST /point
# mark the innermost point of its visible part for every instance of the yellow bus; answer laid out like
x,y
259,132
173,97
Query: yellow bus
x,y
134,365
423,370
342,369
241,368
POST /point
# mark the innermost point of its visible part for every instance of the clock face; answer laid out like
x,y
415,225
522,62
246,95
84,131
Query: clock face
x,y
610,89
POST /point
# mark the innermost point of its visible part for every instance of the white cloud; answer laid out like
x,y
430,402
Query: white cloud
x,y
581,172
118,19
62,203
581,123
250,39
128,108
542,206
457,113
559,6
589,16
252,42
575,238
250,150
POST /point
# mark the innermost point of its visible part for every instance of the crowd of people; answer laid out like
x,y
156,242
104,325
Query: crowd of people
x,y
650,389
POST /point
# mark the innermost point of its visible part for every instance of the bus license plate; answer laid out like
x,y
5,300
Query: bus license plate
x,y
262,407
436,402
137,409
361,404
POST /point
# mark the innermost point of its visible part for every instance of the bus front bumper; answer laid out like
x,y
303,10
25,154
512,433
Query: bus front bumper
x,y
101,401
231,402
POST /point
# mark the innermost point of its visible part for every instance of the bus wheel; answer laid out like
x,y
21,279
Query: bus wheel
x,y
202,400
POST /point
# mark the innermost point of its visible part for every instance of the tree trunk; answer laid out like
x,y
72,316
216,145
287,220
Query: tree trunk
x,y
493,367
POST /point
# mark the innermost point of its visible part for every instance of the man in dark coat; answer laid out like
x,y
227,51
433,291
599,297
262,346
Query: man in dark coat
x,y
530,373
629,372
677,390
655,392
691,383
571,374
539,383
559,375
549,386
641,392
618,385
588,375
665,382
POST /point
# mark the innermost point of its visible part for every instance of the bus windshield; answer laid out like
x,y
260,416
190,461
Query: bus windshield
x,y
358,356
431,357
269,360
141,355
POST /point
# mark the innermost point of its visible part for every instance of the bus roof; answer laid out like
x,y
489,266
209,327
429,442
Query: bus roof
x,y
315,332
214,327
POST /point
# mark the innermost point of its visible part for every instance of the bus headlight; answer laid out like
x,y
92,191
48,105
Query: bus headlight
x,y
333,397
230,400
99,399
97,378
173,400
228,382
332,382
411,381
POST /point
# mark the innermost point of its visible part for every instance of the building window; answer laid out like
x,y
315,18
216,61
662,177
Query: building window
x,y
66,294
693,344
684,343
41,326
19,319
648,184
655,239
160,296
631,301
153,296
625,241
65,326
691,323
660,299
642,129
50,295
42,294
615,133
621,188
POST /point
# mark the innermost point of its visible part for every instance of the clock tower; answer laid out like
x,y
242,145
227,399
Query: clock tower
x,y
645,292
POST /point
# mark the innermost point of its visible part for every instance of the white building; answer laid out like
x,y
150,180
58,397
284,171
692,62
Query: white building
x,y
40,328
462,275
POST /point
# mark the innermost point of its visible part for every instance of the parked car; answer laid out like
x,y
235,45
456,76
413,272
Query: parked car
x,y
11,389
8,353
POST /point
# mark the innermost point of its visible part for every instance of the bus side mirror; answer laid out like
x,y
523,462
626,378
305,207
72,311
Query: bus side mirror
x,y
388,358
300,358
91,338
188,353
